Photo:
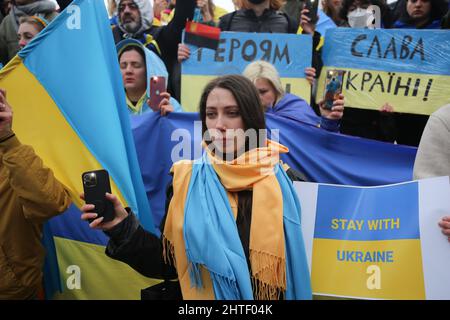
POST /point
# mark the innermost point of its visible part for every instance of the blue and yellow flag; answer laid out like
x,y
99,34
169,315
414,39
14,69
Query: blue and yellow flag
x,y
68,100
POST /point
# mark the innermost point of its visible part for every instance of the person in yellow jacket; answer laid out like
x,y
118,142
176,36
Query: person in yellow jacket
x,y
29,196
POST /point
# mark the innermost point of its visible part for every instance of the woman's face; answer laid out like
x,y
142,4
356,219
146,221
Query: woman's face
x,y
267,92
418,9
133,70
26,33
224,122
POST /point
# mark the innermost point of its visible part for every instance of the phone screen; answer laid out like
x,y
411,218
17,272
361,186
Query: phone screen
x,y
333,87
157,86
312,6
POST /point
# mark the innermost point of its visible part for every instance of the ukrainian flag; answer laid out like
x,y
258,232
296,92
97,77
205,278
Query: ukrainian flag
x,y
68,101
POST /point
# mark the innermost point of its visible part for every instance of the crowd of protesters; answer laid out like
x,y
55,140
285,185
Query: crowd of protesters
x,y
148,38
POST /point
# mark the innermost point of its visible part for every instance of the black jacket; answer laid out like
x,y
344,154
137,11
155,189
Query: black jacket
x,y
143,251
270,21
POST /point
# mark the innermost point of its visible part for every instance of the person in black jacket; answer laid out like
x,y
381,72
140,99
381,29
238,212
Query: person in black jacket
x,y
228,102
135,21
259,16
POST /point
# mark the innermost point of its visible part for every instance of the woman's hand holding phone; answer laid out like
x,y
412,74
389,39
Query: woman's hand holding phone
x,y
165,107
337,110
91,216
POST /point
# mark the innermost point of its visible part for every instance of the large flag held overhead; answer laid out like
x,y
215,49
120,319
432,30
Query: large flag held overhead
x,y
68,100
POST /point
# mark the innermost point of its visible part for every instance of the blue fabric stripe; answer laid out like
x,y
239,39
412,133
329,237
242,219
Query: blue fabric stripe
x,y
70,226
52,281
298,282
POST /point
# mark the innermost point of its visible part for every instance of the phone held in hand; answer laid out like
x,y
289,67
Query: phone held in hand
x,y
312,6
333,87
157,86
95,185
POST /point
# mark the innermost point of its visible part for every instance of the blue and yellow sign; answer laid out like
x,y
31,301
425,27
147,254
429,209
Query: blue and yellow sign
x,y
289,53
409,69
367,243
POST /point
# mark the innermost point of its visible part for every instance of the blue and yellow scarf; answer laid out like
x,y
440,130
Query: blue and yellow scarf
x,y
202,237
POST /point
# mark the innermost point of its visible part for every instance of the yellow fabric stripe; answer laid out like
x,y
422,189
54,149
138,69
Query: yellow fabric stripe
x,y
38,122
99,276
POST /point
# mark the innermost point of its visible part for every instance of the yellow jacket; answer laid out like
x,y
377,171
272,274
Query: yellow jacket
x,y
29,196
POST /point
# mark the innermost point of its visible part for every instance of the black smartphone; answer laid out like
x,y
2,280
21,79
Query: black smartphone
x,y
333,87
96,184
312,6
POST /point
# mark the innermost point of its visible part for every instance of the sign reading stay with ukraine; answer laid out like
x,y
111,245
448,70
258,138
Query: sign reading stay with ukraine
x,y
289,53
409,69
377,242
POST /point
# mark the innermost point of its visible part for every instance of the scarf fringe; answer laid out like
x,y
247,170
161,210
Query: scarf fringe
x,y
268,275
264,291
195,275
168,252
227,286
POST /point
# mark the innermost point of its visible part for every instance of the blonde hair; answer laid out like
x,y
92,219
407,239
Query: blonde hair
x,y
264,70
274,4
36,21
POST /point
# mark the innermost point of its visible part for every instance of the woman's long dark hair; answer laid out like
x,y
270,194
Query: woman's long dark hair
x,y
247,99
438,9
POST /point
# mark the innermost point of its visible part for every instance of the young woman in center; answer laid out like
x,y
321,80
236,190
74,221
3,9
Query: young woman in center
x,y
233,223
